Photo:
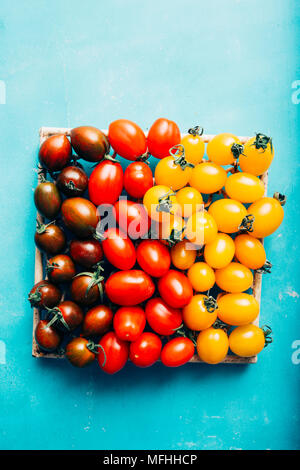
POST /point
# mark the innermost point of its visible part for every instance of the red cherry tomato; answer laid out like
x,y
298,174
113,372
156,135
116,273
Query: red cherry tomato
x,y
127,139
130,287
86,252
145,351
97,320
106,183
115,354
177,352
163,135
153,257
118,249
162,318
129,323
55,152
138,178
47,337
175,289
132,217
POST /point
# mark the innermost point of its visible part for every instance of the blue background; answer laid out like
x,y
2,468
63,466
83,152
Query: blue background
x,y
227,65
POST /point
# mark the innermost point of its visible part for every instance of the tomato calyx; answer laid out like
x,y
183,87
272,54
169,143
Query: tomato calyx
x,y
144,157
184,331
177,151
91,346
42,228
281,198
197,130
165,203
247,223
266,268
237,150
267,331
36,296
210,303
175,236
261,141
220,325
96,279
57,318
51,266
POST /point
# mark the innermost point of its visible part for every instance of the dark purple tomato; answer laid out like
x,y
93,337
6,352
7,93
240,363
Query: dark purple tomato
x,y
80,352
55,152
87,253
47,337
87,288
47,199
60,268
80,216
89,143
67,315
72,181
97,320
44,294
50,238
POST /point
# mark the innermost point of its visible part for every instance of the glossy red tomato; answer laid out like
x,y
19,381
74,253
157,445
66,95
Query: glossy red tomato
x,y
60,268
72,181
163,135
132,218
162,318
50,238
114,355
66,315
47,199
153,257
127,139
118,249
145,351
87,253
80,216
97,320
177,352
138,178
129,323
55,152
44,294
89,143
106,183
130,287
87,288
80,352
175,288
47,337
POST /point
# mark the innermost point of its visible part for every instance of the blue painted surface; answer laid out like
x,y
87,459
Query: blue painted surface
x,y
229,66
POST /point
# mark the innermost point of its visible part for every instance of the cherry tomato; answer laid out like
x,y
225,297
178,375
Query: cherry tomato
x,y
201,228
72,181
162,136
183,255
237,309
201,276
87,253
171,229
220,252
44,294
138,178
47,338
189,200
212,345
249,251
47,199
173,172
228,214
49,238
145,351
80,352
97,321
268,215
224,148
129,323
130,287
132,218
127,139
55,152
89,143
247,340
153,257
208,177
234,278
80,216
87,287
194,146
60,268
257,155
177,352
200,313
244,187
158,200
175,288
162,318
114,355
118,249
67,315
106,183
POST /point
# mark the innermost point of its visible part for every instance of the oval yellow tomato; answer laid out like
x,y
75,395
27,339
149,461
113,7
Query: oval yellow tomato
x,y
244,187
237,309
208,177
257,155
183,255
158,200
220,252
173,172
189,200
201,276
249,251
234,278
228,214
201,228
194,146
247,340
199,313
268,215
212,345
224,148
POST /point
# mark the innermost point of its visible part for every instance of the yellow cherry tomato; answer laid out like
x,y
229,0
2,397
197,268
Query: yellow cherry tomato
x,y
201,228
235,277
249,251
183,255
208,177
200,313
158,200
244,187
268,215
220,252
248,340
257,155
224,148
171,229
212,345
194,146
228,214
189,200
173,171
201,276
237,309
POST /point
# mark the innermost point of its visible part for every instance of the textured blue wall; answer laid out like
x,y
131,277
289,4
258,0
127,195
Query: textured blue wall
x,y
229,66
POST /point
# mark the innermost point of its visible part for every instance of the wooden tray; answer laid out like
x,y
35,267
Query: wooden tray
x,y
46,132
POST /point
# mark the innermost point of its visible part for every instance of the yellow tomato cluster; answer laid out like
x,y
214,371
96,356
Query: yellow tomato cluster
x,y
217,242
